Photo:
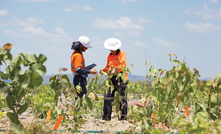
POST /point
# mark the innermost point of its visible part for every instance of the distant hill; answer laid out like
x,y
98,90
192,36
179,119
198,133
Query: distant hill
x,y
71,76
132,77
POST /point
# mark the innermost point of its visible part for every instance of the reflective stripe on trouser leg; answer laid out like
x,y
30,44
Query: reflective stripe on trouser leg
x,y
108,99
107,109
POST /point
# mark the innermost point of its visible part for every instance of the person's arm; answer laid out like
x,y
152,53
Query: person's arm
x,y
79,70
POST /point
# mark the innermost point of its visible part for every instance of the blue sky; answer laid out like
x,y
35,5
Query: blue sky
x,y
148,30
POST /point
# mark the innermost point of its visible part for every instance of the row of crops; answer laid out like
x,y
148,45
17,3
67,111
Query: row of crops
x,y
168,99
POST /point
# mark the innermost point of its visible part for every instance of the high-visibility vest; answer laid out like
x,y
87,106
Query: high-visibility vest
x,y
77,60
118,61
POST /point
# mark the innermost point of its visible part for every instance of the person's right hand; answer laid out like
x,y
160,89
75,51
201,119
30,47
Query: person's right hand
x,y
93,71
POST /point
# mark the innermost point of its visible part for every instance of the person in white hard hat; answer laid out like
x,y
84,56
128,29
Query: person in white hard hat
x,y
78,64
115,61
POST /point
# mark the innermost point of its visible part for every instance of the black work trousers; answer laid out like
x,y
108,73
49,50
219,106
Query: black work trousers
x,y
108,99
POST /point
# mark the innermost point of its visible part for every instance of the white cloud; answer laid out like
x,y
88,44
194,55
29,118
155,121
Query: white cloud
x,y
61,24
119,34
87,7
213,1
135,33
209,14
144,20
124,23
205,6
139,44
205,13
31,32
186,12
125,1
75,6
68,10
201,27
26,32
163,43
3,12
26,22
34,0
60,31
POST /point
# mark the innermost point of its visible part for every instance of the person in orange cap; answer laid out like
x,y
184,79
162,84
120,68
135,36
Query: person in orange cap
x,y
78,64
115,60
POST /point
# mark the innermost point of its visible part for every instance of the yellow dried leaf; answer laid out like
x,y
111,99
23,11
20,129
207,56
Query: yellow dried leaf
x,y
7,46
132,65
145,63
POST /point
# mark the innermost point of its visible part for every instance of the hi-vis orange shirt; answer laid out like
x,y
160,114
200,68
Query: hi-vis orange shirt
x,y
77,60
118,61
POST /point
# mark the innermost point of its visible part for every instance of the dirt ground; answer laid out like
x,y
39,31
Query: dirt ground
x,y
91,124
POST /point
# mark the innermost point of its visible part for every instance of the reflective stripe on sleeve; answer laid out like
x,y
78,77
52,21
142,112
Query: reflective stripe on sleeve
x,y
75,73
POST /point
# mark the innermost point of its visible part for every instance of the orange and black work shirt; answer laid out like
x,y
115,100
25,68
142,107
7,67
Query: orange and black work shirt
x,y
77,60
118,61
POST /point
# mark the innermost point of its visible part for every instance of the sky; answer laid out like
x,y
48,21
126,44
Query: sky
x,y
148,29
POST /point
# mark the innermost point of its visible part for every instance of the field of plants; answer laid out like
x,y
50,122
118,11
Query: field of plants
x,y
169,101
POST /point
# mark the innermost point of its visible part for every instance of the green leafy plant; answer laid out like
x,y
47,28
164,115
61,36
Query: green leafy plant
x,y
199,124
20,81
3,104
38,127
59,83
43,101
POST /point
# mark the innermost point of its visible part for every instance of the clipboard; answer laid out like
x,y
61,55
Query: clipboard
x,y
90,66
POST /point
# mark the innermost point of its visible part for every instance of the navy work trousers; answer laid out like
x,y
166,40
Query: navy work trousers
x,y
79,80
108,99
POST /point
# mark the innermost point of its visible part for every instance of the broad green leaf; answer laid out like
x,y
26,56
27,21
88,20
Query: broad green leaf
x,y
65,80
42,58
20,94
17,128
194,86
52,78
18,61
23,108
93,96
36,79
8,55
89,102
203,105
39,68
24,81
13,117
10,101
176,61
167,77
31,58
169,87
